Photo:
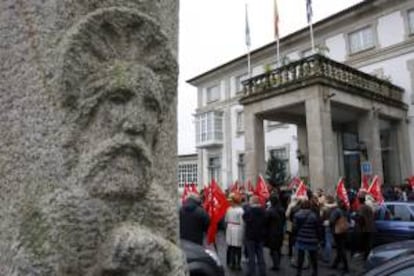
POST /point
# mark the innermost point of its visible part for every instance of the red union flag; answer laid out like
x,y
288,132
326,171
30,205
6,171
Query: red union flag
x,y
294,183
217,209
302,190
365,182
411,182
341,192
375,190
261,190
235,187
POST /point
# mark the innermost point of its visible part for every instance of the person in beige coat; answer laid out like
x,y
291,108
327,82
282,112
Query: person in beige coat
x,y
234,232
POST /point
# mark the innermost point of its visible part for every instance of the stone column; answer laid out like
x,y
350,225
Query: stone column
x,y
323,168
254,141
303,148
369,134
88,175
404,151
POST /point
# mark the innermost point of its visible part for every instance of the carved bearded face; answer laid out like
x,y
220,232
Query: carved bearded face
x,y
115,101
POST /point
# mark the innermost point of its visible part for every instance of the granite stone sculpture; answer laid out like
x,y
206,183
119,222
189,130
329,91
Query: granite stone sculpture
x,y
88,138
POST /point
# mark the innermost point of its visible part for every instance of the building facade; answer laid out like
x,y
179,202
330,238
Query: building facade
x,y
375,37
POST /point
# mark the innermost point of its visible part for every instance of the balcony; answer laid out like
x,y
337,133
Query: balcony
x,y
209,129
319,69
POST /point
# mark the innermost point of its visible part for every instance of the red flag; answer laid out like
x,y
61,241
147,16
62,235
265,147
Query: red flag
x,y
249,186
341,192
411,182
194,189
261,190
365,182
294,183
235,187
375,190
276,19
218,208
185,192
302,190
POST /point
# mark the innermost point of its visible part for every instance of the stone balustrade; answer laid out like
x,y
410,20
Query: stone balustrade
x,y
318,67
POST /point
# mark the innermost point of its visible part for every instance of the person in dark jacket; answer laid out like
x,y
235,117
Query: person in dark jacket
x,y
338,214
365,225
254,220
194,220
306,225
275,222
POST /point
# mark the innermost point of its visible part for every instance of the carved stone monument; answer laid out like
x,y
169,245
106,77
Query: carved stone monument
x,y
88,138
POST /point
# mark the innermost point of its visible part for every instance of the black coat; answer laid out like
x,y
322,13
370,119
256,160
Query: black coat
x,y
275,223
255,222
194,221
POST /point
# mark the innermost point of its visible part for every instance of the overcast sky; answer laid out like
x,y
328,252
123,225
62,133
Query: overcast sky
x,y
212,32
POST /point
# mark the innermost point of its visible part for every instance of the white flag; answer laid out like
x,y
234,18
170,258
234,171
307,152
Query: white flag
x,y
247,30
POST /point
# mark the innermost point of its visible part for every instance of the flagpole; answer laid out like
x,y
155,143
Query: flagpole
x,y
276,30
248,42
309,13
311,35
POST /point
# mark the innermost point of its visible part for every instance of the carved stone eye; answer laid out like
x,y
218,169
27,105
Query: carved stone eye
x,y
151,104
120,97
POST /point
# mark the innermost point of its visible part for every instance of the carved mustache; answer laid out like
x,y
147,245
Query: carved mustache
x,y
96,160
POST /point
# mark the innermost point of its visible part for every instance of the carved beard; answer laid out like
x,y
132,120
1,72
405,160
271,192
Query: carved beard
x,y
119,168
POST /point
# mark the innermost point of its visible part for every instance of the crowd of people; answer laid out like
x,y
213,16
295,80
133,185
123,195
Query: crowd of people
x,y
310,224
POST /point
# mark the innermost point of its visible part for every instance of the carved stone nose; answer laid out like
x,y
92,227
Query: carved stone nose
x,y
133,128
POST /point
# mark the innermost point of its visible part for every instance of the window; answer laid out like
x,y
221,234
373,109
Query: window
x,y
283,155
361,39
241,166
214,168
239,80
213,93
402,212
209,127
187,173
240,121
411,21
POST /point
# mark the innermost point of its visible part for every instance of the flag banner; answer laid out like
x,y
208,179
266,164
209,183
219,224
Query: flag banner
x,y
261,190
276,19
217,209
341,193
250,187
411,182
375,190
247,29
365,182
235,187
309,12
294,183
302,191
194,189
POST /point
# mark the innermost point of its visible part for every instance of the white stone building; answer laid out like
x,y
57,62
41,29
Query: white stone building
x,y
375,37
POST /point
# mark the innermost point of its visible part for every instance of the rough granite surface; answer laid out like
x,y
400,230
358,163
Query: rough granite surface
x,y
88,138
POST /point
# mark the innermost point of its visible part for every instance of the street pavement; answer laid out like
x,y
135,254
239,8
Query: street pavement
x,y
355,264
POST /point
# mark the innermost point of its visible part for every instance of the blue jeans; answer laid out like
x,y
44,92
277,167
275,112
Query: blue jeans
x,y
255,252
327,249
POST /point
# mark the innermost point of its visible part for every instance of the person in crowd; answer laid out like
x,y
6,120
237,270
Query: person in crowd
x,y
293,207
339,221
254,220
234,232
275,221
194,220
306,223
365,224
326,210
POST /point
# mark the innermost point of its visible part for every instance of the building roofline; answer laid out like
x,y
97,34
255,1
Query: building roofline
x,y
285,38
